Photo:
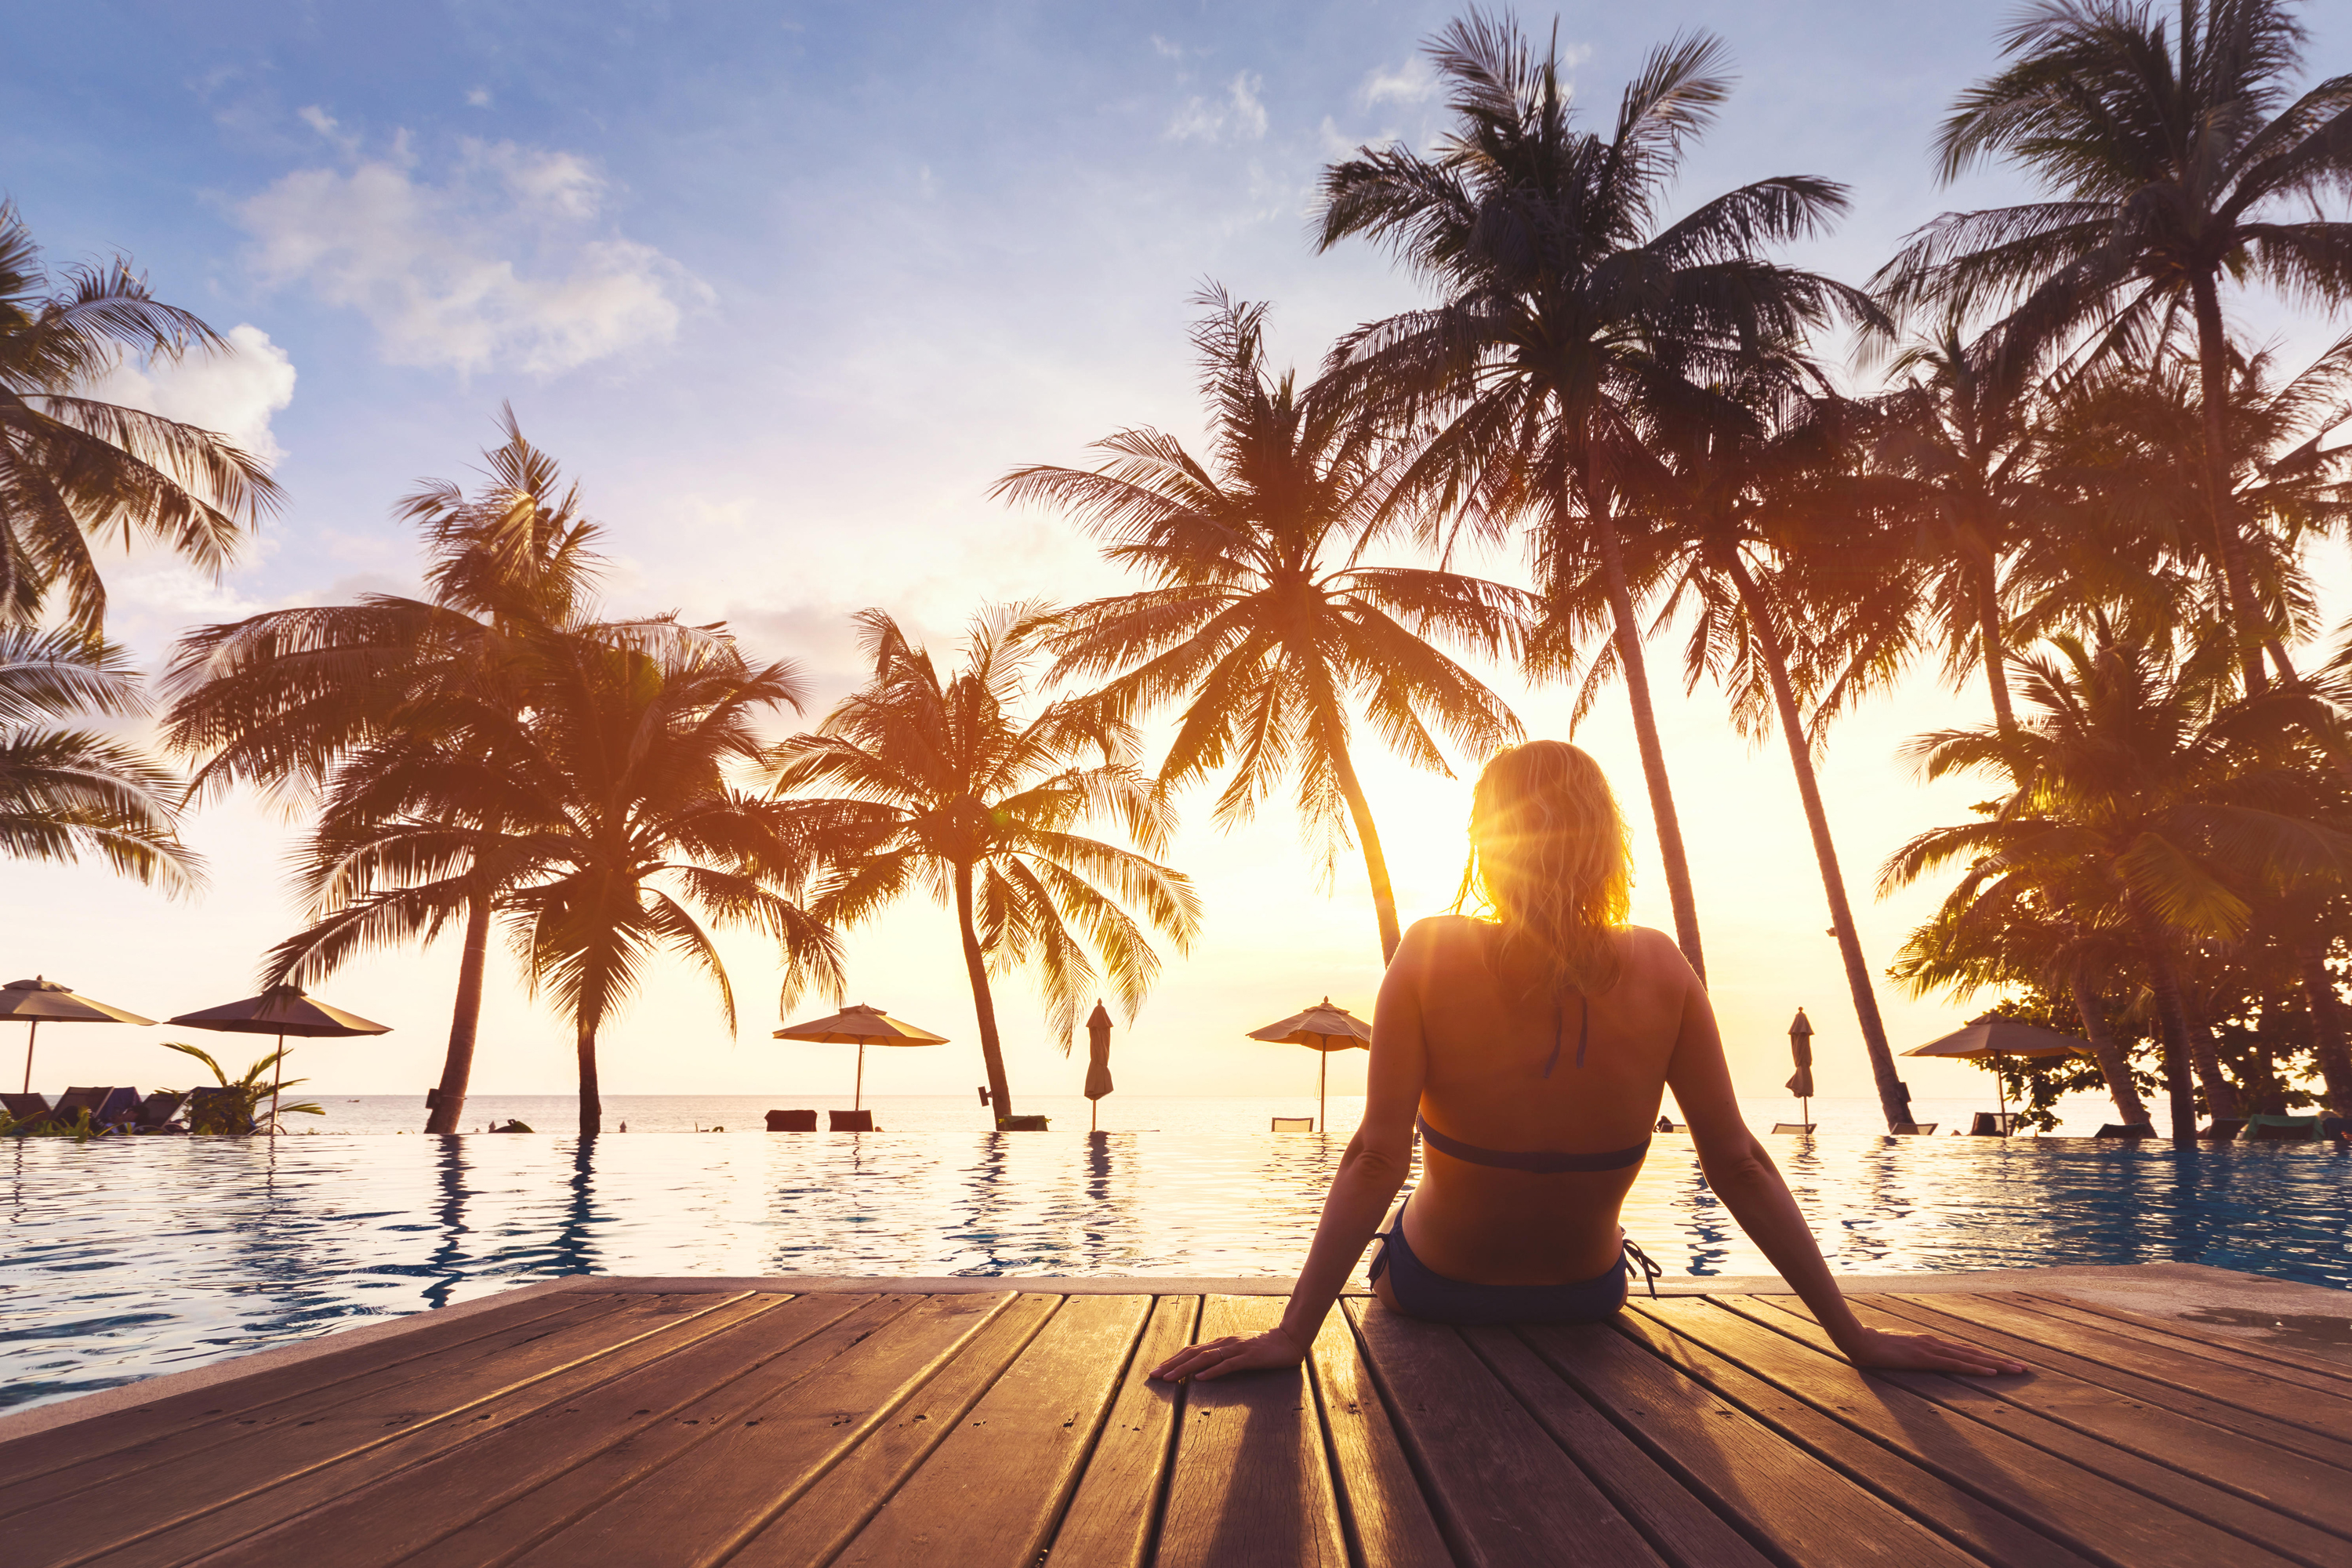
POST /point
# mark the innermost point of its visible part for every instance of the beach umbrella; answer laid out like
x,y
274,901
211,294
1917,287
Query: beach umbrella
x,y
1989,1036
1800,1048
37,1002
281,1010
860,1025
1323,1029
1098,1061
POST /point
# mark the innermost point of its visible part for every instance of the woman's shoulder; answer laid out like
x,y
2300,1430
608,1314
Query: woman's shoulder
x,y
1653,954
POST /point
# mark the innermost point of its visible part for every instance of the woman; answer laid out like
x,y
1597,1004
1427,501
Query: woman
x,y
1532,1049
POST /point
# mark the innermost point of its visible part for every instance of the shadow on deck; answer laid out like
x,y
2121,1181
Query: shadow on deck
x,y
601,1425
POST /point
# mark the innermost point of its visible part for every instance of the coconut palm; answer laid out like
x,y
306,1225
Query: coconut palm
x,y
1262,618
915,780
77,471
1570,307
2176,162
2149,783
67,793
283,701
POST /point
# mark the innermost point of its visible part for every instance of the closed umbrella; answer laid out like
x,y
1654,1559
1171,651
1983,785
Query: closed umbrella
x,y
1324,1029
1801,1047
1098,1061
37,1002
860,1025
281,1010
1990,1036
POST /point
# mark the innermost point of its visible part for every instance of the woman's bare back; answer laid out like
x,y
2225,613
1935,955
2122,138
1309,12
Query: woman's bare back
x,y
1489,1029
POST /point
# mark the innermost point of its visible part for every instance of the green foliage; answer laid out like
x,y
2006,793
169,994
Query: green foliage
x,y
2035,1087
81,1129
240,1109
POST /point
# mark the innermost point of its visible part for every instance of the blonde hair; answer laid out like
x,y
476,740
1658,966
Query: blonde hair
x,y
1550,862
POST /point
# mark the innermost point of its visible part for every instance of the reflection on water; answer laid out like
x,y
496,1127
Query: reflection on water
x,y
122,1260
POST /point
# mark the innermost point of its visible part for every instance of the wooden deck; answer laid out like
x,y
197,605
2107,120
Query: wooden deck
x,y
610,1426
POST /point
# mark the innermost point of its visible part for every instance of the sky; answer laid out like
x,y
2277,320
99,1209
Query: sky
x,y
786,287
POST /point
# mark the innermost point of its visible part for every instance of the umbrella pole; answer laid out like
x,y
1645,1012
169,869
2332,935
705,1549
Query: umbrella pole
x,y
277,1076
2000,1087
857,1096
1322,1075
31,1028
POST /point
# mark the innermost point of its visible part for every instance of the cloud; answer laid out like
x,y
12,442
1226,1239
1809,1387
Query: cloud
x,y
1412,83
503,263
1166,50
234,394
479,98
1240,114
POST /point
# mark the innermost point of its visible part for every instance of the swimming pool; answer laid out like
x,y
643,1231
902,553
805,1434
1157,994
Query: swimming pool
x,y
122,1260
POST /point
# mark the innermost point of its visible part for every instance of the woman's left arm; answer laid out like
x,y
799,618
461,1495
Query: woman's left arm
x,y
1379,1158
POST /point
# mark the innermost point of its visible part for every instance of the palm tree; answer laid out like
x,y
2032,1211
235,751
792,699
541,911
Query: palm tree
x,y
1571,309
938,783
74,469
1754,501
1262,618
65,793
2149,783
285,700
600,821
2176,162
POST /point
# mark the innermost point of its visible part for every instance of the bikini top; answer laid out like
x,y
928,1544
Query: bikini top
x,y
1542,1161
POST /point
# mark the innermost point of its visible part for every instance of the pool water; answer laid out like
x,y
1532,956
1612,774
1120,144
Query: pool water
x,y
123,1258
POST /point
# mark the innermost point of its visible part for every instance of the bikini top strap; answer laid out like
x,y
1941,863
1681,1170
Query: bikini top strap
x,y
1583,1031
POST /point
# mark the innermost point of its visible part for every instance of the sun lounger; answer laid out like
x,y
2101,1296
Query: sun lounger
x,y
1921,1128
1992,1124
25,1106
2125,1129
1293,1124
117,1108
792,1122
849,1120
2296,1129
1794,1126
155,1111
2222,1129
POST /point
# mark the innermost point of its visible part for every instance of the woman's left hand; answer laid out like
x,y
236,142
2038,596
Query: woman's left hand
x,y
1273,1348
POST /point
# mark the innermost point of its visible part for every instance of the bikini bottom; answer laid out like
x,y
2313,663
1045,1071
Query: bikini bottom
x,y
1421,1292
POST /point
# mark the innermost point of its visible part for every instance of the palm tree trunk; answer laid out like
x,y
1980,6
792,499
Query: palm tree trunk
x,y
975,963
1376,865
1992,647
2114,1065
464,1021
1894,1095
2213,387
1645,732
2220,1094
2326,1024
591,1103
2172,1019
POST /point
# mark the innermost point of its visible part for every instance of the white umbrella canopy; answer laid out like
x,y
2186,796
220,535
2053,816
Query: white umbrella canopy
x,y
1990,1036
1323,1028
862,1026
281,1010
37,1001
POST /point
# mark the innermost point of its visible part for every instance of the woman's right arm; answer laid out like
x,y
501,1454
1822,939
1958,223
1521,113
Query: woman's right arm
x,y
1741,1174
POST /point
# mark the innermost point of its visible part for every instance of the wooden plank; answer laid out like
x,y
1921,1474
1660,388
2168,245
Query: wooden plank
x,y
1252,1485
1986,1489
694,1488
198,1494
2037,1351
988,1496
2194,1338
1387,1519
2244,1387
1502,1491
1679,1527
1782,1497
1111,1516
2310,1490
2262,1535
824,1518
338,1375
415,1508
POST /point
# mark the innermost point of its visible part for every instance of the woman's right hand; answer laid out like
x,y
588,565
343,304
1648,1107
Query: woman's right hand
x,y
1882,1351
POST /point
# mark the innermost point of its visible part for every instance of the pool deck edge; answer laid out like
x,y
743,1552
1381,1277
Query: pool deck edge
x,y
2221,1301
